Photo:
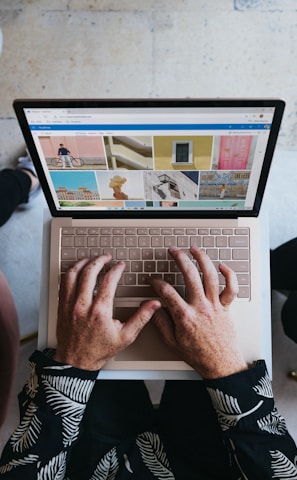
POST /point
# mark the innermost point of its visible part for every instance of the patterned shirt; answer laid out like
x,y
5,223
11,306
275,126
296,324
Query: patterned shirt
x,y
52,407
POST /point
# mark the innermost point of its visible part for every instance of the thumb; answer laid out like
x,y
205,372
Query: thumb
x,y
141,317
164,324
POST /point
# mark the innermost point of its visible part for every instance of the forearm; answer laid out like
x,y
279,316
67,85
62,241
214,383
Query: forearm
x,y
52,405
253,430
9,345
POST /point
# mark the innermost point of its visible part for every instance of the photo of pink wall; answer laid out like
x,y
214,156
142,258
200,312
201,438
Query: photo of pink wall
x,y
234,152
86,152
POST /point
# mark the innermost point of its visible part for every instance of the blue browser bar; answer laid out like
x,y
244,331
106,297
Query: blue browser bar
x,y
150,127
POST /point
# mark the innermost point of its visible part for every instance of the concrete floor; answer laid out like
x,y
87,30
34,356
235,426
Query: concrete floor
x,y
93,48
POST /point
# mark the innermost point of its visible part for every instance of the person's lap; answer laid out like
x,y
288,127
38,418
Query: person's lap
x,y
118,411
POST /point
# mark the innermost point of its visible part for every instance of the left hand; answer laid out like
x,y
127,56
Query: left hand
x,y
87,333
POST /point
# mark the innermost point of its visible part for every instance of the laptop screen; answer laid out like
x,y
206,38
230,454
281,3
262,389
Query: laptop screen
x,y
150,156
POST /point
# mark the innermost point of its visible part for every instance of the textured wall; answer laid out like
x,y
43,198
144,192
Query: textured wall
x,y
147,48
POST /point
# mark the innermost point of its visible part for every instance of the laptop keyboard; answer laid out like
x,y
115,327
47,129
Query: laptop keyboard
x,y
145,252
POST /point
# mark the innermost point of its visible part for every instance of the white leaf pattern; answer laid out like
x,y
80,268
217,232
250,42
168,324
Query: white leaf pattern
x,y
55,469
17,463
153,455
68,397
264,388
75,388
243,475
107,467
273,423
127,463
58,367
26,434
227,408
282,467
32,382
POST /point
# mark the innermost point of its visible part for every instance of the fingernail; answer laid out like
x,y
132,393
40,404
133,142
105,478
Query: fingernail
x,y
156,306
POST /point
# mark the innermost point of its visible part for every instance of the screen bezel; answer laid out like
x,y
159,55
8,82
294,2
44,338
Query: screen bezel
x,y
20,105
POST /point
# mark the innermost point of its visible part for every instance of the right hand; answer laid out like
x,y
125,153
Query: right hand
x,y
200,329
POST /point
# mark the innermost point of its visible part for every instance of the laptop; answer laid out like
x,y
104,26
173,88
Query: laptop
x,y
131,177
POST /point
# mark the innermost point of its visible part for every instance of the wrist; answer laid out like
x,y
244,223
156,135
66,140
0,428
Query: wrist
x,y
77,360
221,369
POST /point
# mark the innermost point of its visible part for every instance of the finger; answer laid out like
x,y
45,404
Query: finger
x,y
88,277
170,298
141,317
165,325
69,281
210,275
190,273
230,291
107,289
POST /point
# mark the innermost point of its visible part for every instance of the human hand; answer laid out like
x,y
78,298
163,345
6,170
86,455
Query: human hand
x,y
87,333
199,329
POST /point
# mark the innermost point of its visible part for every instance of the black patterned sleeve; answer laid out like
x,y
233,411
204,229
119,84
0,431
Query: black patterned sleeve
x,y
253,430
52,405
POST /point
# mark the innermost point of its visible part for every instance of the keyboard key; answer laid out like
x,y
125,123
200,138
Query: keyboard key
x,y
83,253
144,241
238,266
68,253
135,254
243,279
162,266
122,253
157,241
221,241
170,278
80,241
240,254
170,242
67,241
149,266
131,241
225,254
213,253
239,241
208,241
160,254
135,291
68,231
130,231
92,241
244,292
195,241
136,266
118,241
183,242
105,231
130,278
147,254
105,241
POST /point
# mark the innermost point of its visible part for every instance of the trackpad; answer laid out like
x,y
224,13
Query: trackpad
x,y
148,346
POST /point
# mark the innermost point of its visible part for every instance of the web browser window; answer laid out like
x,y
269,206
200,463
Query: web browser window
x,y
156,158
